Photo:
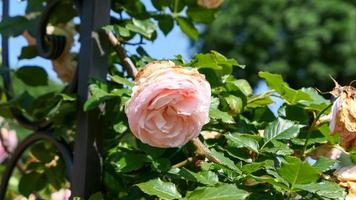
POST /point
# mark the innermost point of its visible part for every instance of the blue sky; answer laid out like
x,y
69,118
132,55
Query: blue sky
x,y
163,48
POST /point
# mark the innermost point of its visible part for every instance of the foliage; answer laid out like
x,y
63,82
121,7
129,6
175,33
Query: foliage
x,y
260,155
305,41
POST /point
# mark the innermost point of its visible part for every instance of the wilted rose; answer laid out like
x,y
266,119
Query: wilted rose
x,y
62,194
8,143
343,116
169,104
210,3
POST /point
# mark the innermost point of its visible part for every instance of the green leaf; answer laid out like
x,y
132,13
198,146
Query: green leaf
x,y
32,75
261,100
28,52
27,186
217,114
295,172
120,127
144,27
14,26
324,164
235,103
160,189
96,196
239,84
281,129
203,177
227,162
291,96
165,23
243,140
250,168
129,162
278,148
215,61
121,80
201,15
325,189
222,192
187,27
119,30
294,113
317,102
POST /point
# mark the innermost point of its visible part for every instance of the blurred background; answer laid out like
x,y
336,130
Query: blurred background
x,y
304,40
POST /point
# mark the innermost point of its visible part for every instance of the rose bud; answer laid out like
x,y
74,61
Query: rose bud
x,y
8,143
343,116
169,104
62,194
210,3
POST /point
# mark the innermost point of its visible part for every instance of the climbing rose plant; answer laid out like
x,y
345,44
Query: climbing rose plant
x,y
181,128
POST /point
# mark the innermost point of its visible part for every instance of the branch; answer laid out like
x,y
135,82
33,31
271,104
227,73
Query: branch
x,y
202,150
126,61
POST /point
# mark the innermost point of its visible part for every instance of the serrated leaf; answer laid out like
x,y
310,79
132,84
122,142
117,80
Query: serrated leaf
x,y
227,162
324,189
215,113
243,140
203,177
316,102
291,96
296,171
281,129
222,192
157,187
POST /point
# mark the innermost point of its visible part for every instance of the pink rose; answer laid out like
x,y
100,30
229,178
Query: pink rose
x,y
169,104
210,3
62,194
8,143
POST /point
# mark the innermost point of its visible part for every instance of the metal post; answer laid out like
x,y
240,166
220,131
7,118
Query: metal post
x,y
86,178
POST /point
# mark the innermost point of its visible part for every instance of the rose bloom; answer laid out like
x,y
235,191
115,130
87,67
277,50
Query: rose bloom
x,y
169,104
62,194
8,143
210,3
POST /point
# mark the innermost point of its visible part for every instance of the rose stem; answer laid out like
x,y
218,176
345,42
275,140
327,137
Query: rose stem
x,y
126,61
201,149
183,163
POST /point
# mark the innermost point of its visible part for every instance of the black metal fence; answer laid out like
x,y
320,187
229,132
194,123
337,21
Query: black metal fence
x,y
83,165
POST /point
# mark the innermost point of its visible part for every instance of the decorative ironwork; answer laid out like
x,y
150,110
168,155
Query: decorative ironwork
x,y
83,166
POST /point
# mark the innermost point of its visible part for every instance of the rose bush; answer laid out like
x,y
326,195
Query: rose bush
x,y
169,104
240,149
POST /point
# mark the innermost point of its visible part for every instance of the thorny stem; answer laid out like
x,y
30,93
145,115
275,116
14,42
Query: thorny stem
x,y
126,61
201,149
312,126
